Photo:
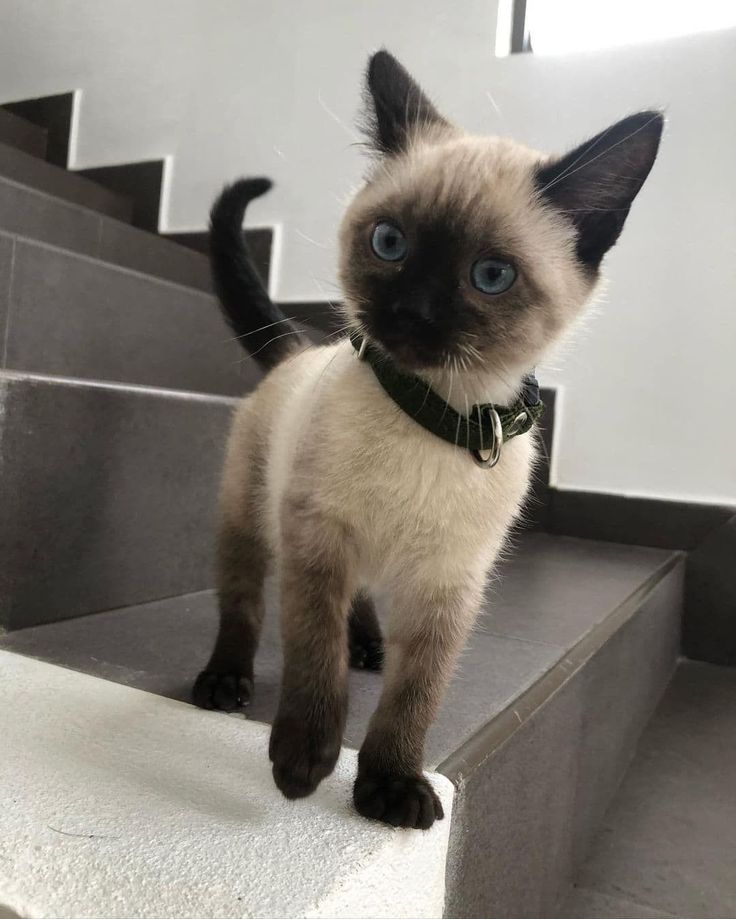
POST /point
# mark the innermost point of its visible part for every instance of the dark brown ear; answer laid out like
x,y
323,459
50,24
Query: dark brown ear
x,y
395,105
595,185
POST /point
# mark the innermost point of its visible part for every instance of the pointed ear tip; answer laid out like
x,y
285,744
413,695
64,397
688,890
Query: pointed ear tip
x,y
383,67
652,120
380,59
381,54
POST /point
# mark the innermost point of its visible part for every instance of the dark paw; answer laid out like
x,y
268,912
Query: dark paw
x,y
227,692
302,756
408,801
366,653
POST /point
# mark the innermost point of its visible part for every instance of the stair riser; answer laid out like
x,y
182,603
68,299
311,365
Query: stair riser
x,y
260,247
77,317
525,816
132,248
620,689
21,134
7,246
53,115
139,183
29,170
107,496
37,216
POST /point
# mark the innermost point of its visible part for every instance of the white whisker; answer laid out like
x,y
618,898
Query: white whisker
x,y
351,134
310,240
261,329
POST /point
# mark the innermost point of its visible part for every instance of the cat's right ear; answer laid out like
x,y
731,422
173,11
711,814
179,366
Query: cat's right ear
x,y
396,108
595,184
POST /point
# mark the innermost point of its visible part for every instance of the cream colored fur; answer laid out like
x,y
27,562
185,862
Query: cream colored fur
x,y
422,512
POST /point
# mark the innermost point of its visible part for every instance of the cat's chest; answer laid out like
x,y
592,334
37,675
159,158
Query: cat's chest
x,y
405,493
411,496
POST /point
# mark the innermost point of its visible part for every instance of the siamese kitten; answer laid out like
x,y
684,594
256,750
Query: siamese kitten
x,y
462,260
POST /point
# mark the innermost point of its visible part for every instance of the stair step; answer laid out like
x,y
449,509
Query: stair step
x,y
27,212
563,671
152,254
107,495
22,135
668,839
45,218
34,173
126,804
73,316
54,115
260,246
140,183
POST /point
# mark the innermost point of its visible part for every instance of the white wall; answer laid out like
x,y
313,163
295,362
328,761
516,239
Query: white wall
x,y
238,86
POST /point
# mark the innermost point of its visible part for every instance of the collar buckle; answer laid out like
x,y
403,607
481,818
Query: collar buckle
x,y
487,459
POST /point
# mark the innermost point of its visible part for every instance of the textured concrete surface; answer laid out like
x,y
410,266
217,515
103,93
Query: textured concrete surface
x,y
120,803
667,845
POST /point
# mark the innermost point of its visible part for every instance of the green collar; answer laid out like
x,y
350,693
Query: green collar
x,y
482,432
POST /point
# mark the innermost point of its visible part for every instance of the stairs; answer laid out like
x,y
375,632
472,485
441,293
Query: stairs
x,y
117,382
115,366
22,134
666,846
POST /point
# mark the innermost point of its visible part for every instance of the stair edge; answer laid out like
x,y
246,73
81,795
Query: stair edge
x,y
496,732
109,203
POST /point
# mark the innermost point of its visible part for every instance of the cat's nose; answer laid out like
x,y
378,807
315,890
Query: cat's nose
x,y
413,311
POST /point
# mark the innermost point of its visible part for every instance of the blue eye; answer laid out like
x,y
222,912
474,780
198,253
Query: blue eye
x,y
492,276
388,242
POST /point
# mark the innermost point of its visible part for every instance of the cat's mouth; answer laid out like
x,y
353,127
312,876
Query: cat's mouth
x,y
408,348
410,354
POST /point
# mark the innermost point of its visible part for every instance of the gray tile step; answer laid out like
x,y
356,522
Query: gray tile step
x,y
35,173
571,654
666,845
107,495
73,316
54,114
45,218
22,134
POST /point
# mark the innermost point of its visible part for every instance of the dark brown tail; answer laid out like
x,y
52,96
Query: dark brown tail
x,y
262,329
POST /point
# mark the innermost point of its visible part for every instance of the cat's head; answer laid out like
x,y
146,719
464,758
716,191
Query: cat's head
x,y
477,252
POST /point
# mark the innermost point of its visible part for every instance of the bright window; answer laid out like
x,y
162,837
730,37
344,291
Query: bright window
x,y
566,26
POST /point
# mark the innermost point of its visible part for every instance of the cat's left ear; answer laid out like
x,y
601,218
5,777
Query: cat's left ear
x,y
397,109
595,185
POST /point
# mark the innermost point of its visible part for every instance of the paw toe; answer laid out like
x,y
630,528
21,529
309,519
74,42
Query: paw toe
x,y
226,692
301,758
401,801
366,655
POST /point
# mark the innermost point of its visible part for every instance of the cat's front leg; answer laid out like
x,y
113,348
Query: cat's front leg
x,y
427,631
317,582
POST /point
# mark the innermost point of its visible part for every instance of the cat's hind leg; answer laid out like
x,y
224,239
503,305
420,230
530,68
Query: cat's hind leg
x,y
226,683
364,634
